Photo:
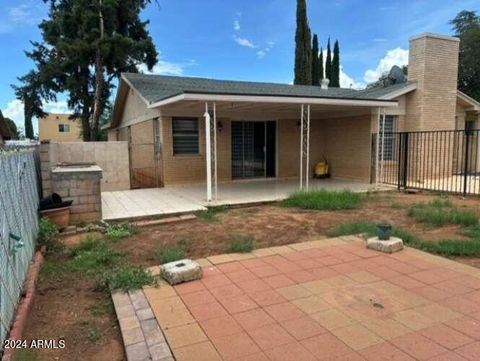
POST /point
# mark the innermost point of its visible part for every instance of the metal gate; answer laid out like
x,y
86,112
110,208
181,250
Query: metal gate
x,y
144,148
444,161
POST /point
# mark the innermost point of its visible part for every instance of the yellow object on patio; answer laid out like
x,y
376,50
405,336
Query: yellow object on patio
x,y
321,170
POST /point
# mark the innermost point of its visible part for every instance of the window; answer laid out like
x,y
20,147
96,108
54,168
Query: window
x,y
388,137
185,136
64,128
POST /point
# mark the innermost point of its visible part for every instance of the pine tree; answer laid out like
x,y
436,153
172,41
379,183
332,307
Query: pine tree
x,y
86,45
321,74
315,67
328,63
303,56
335,81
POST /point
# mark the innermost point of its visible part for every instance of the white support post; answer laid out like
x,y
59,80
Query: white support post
x,y
382,158
301,147
377,149
208,154
215,171
307,166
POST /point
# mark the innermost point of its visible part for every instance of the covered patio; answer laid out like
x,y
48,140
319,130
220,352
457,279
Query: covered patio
x,y
171,200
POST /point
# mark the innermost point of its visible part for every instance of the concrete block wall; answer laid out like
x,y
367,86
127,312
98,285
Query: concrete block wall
x,y
111,157
45,167
82,185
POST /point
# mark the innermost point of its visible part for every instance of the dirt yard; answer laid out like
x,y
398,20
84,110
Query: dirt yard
x,y
72,308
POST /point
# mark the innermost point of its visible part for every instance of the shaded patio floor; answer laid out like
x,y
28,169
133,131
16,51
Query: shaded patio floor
x,y
329,299
139,203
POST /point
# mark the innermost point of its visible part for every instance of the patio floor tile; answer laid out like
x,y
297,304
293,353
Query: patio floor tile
x,y
251,286
471,351
431,293
467,326
302,328
185,335
267,298
197,298
326,346
189,287
253,319
290,352
226,291
446,336
418,346
270,336
220,326
284,311
332,319
385,351
357,336
311,304
265,271
216,281
238,304
242,275
448,356
386,328
278,281
199,352
232,348
231,267
294,292
207,311
413,319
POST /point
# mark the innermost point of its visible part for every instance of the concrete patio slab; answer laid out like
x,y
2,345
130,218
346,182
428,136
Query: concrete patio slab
x,y
141,203
346,313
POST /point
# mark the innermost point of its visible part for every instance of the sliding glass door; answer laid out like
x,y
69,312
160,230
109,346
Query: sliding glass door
x,y
253,149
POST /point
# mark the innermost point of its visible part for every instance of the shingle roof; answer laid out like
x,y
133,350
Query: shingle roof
x,y
154,88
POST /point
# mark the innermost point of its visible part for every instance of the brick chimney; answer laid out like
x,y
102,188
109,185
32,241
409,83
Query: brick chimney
x,y
433,64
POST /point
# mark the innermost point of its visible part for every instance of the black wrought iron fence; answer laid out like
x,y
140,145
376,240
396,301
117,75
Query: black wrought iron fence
x,y
444,161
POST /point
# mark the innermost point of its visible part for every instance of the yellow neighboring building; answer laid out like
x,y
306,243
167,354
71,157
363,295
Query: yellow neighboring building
x,y
59,128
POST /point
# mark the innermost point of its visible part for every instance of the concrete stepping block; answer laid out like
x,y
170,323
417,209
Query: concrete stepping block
x,y
181,271
392,245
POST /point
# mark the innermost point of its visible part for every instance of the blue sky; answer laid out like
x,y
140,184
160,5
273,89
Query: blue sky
x,y
247,39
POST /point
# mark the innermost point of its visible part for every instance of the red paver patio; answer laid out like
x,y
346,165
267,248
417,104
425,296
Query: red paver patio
x,y
329,299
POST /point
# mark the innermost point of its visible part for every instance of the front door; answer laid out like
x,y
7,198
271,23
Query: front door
x,y
253,149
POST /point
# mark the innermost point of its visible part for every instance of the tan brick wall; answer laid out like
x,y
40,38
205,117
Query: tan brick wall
x,y
348,147
433,64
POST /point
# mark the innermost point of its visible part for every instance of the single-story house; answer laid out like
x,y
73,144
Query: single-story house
x,y
194,130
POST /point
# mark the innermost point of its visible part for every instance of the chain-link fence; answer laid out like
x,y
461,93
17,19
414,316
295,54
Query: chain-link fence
x,y
19,198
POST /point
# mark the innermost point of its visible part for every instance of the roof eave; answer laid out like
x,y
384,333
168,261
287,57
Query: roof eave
x,y
274,99
399,92
475,104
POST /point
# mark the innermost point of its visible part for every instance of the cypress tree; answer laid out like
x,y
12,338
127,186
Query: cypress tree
x,y
320,66
315,68
328,63
303,56
335,81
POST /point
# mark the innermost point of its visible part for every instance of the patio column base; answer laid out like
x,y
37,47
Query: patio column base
x,y
394,244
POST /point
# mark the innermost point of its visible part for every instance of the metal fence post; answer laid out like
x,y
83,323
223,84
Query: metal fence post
x,y
405,161
465,165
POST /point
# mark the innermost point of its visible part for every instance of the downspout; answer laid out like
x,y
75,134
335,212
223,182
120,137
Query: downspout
x,y
208,153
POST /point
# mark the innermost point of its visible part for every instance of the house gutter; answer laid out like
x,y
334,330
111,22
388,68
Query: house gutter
x,y
272,99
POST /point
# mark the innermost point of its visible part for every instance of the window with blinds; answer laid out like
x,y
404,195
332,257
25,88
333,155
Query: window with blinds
x,y
388,137
185,136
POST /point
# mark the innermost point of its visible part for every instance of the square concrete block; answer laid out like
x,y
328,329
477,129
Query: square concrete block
x,y
181,271
392,245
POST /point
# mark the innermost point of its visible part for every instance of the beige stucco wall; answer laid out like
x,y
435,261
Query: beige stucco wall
x,y
48,128
112,157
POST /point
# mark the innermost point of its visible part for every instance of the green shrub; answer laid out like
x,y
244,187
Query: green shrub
x,y
48,236
370,230
459,247
127,277
118,231
93,256
170,254
441,212
324,200
210,215
241,243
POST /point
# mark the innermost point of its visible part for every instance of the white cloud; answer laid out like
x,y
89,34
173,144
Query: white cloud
x,y
14,111
261,54
244,42
347,81
164,67
236,25
397,56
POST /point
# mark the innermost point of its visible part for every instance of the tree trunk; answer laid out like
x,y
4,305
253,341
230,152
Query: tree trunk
x,y
98,104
